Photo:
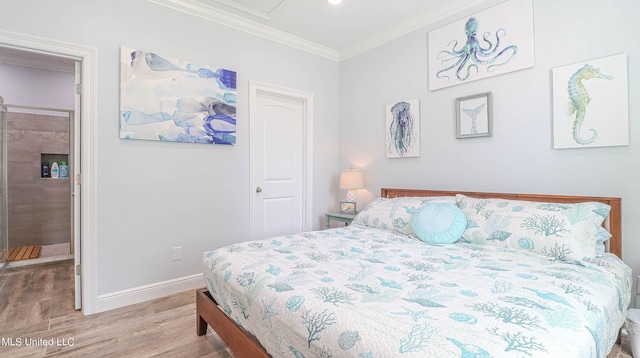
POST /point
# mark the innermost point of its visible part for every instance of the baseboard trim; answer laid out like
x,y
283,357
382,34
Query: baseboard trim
x,y
139,294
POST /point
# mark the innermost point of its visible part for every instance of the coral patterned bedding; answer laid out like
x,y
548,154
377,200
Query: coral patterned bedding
x,y
367,292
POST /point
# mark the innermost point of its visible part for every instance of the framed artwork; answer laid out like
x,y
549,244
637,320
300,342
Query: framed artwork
x,y
492,42
591,104
347,207
403,129
173,100
473,116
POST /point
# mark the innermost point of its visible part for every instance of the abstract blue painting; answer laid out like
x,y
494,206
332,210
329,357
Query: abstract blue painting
x,y
174,100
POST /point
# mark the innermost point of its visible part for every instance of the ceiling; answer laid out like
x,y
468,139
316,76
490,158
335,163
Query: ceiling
x,y
336,32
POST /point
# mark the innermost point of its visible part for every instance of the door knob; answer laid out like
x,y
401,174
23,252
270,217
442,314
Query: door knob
x,y
258,189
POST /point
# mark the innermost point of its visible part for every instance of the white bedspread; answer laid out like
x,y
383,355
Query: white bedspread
x,y
362,292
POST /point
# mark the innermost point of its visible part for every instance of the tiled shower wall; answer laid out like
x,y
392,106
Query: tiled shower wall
x,y
39,209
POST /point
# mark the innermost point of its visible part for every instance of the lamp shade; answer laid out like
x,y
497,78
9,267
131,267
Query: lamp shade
x,y
351,179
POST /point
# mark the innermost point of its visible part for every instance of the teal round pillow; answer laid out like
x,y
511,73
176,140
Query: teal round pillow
x,y
439,223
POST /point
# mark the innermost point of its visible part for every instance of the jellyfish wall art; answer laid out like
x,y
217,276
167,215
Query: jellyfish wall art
x,y
492,42
173,100
403,129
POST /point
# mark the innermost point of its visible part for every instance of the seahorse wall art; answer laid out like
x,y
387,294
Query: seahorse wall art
x,y
402,129
579,100
591,103
491,42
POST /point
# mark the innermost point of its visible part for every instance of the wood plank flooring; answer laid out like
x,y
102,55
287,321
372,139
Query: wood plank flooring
x,y
36,308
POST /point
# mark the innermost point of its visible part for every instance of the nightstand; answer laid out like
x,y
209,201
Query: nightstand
x,y
345,218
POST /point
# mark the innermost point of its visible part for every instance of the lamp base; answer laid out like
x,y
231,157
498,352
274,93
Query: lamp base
x,y
351,195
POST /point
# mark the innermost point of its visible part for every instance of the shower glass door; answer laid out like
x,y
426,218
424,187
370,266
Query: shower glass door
x,y
4,233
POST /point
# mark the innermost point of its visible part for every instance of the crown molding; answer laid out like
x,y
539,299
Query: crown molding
x,y
246,9
239,23
448,9
439,13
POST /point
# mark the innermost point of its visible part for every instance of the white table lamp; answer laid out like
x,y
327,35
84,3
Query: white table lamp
x,y
351,180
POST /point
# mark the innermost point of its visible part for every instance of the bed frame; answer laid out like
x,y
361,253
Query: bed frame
x,y
243,344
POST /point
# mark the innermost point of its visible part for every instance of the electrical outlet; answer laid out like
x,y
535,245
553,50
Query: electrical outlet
x,y
177,253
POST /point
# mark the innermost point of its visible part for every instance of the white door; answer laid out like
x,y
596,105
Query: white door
x,y
280,145
74,167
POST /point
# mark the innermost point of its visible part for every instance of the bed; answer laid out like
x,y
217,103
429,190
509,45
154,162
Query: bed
x,y
528,277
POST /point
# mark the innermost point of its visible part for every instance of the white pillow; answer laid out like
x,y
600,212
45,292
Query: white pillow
x,y
561,231
395,214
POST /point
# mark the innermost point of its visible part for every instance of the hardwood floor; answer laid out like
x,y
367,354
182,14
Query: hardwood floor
x,y
36,309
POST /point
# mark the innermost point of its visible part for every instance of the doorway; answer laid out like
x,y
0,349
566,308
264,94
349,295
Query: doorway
x,y
86,120
281,160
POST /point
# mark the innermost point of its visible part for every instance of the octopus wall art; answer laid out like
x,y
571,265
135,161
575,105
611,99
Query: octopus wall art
x,y
465,60
492,42
403,128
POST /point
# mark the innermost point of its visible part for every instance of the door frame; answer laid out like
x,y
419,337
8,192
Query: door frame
x,y
88,154
4,220
256,88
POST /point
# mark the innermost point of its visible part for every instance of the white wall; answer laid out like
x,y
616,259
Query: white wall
x,y
153,196
519,156
36,87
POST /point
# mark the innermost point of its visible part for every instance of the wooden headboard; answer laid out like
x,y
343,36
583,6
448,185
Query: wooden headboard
x,y
613,224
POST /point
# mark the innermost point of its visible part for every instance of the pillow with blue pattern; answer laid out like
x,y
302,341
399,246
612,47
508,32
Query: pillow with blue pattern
x,y
439,223
562,231
395,214
602,235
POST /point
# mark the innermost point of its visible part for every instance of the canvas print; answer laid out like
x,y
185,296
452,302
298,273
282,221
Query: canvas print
x,y
473,116
591,104
347,207
492,42
168,99
403,129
